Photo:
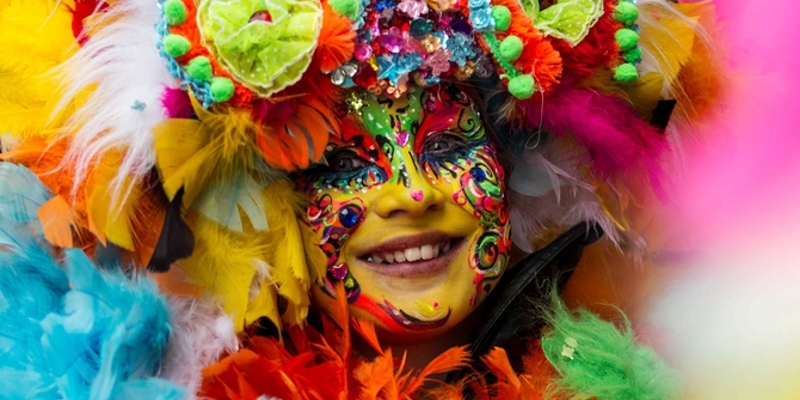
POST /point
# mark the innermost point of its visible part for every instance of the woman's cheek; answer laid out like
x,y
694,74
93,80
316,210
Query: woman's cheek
x,y
334,218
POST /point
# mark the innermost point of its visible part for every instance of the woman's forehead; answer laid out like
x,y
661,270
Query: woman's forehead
x,y
429,108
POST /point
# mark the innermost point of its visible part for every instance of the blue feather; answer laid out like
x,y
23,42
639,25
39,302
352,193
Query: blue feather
x,y
68,329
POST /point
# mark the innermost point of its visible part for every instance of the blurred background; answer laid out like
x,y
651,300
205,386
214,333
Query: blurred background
x,y
729,318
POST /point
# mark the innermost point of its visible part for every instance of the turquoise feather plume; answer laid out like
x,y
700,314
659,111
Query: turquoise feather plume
x,y
67,329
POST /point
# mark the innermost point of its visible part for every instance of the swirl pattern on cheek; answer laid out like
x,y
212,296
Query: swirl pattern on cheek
x,y
483,190
334,222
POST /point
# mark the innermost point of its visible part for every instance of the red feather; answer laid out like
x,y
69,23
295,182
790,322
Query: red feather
x,y
82,10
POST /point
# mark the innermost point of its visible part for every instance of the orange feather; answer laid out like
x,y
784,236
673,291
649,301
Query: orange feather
x,y
336,40
508,385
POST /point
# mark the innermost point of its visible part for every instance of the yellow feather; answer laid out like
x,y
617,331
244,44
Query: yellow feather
x,y
112,222
316,259
265,304
193,153
645,93
35,36
670,40
288,257
224,263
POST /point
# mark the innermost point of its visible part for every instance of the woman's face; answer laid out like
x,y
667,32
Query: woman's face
x,y
410,211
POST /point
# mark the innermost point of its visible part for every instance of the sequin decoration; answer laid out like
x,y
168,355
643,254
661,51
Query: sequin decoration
x,y
414,40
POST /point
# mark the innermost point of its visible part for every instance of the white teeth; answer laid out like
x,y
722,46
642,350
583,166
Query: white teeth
x,y
426,252
412,254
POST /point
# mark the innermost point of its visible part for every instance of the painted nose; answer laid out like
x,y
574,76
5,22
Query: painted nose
x,y
410,195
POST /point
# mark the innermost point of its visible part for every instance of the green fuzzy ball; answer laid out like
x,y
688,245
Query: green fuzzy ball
x,y
511,48
347,8
626,13
502,18
176,45
175,12
626,74
222,89
200,68
634,55
522,87
627,39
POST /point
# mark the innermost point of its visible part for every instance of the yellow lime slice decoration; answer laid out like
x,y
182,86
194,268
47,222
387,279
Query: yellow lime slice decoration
x,y
266,45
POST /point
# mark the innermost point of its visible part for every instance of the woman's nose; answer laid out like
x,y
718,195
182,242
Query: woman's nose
x,y
410,194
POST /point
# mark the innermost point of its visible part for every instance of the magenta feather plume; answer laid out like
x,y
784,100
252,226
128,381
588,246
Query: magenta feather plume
x,y
615,138
176,103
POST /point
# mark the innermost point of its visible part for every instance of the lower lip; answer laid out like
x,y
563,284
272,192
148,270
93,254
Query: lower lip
x,y
417,269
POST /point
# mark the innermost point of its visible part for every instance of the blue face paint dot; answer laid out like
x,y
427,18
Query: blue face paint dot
x,y
349,216
478,174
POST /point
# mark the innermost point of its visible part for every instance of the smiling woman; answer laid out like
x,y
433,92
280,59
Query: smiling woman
x,y
411,211
316,199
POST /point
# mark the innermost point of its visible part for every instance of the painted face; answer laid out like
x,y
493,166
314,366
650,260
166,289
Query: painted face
x,y
410,211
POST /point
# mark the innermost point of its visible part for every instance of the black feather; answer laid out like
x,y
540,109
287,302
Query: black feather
x,y
662,113
504,322
176,240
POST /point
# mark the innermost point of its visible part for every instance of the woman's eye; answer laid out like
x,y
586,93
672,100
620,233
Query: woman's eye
x,y
345,161
440,144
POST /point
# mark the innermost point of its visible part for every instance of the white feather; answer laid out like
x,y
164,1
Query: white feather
x,y
263,275
122,66
533,215
201,334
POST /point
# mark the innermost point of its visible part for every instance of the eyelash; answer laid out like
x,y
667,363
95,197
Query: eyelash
x,y
326,177
461,150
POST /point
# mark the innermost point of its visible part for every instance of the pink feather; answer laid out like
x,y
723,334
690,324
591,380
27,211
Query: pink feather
x,y
615,138
176,103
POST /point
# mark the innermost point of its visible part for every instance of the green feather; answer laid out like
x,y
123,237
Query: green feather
x,y
596,359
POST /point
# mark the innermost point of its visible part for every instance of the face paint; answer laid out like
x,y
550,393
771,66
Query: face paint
x,y
410,211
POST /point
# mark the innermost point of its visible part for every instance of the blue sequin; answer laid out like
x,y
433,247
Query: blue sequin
x,y
349,216
478,174
481,19
380,5
393,66
463,48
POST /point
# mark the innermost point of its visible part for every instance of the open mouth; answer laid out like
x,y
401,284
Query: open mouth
x,y
413,256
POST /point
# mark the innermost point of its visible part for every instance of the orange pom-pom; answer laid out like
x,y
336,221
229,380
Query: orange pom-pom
x,y
539,58
336,41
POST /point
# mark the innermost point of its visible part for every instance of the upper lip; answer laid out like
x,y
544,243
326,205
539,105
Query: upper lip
x,y
405,242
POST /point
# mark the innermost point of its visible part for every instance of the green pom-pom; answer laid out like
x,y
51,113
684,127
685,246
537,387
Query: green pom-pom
x,y
634,55
511,48
502,18
222,89
199,68
175,11
176,45
627,39
626,74
522,87
349,8
626,13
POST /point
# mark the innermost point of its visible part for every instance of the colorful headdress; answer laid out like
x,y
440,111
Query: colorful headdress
x,y
164,130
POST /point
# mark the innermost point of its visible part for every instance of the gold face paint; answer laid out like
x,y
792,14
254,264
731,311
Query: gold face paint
x,y
411,211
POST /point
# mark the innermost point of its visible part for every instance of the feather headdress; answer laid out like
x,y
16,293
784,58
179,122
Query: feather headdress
x,y
160,135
